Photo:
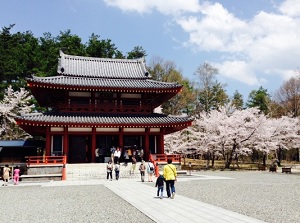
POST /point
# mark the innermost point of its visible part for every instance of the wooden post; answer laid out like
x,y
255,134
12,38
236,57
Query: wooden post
x,y
64,172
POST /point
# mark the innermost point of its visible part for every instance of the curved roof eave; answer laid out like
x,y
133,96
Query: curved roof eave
x,y
64,82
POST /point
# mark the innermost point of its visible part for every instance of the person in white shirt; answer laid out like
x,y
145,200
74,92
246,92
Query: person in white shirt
x,y
117,155
150,171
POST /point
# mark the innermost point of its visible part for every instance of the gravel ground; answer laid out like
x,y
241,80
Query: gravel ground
x,y
271,197
35,204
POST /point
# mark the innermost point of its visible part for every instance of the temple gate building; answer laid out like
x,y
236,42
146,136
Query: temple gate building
x,y
99,103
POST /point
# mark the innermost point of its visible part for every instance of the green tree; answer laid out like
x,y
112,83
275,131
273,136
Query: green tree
x,y
19,57
102,48
137,52
71,44
260,99
211,94
237,100
166,71
49,54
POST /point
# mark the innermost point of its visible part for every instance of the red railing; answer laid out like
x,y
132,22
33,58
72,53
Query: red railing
x,y
157,158
104,108
164,157
45,160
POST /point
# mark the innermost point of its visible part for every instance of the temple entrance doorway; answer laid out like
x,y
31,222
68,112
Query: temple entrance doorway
x,y
105,143
79,149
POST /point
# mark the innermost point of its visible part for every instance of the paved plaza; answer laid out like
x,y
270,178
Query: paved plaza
x,y
210,196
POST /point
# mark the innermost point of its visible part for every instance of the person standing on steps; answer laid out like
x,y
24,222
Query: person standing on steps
x,y
97,155
170,175
117,155
109,169
133,164
112,152
117,170
142,169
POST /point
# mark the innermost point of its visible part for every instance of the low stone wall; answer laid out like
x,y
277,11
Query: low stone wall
x,y
42,172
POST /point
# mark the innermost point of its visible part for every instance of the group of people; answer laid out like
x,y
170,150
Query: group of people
x,y
113,165
168,176
6,175
117,154
110,167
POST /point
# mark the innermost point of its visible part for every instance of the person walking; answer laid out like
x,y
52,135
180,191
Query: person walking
x,y
117,170
109,168
170,175
6,171
142,169
126,157
112,152
160,185
16,175
150,171
133,164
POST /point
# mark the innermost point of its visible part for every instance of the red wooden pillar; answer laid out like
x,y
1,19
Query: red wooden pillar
x,y
48,142
147,149
66,143
93,144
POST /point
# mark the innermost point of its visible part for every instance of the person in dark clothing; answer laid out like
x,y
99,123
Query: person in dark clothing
x,y
160,185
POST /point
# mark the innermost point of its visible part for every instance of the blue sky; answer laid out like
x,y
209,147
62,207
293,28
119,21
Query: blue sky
x,y
252,43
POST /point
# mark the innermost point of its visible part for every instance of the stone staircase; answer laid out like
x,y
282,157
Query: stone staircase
x,y
89,171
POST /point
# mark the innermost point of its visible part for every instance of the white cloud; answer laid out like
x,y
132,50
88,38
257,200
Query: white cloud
x,y
290,8
167,7
252,50
240,71
267,45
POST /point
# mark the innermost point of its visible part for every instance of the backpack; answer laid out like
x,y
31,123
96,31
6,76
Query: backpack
x,y
151,168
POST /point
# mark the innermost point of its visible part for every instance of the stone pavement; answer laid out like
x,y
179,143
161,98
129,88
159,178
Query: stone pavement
x,y
180,209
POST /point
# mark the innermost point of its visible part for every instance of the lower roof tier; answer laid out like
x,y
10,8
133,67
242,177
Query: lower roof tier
x,y
35,124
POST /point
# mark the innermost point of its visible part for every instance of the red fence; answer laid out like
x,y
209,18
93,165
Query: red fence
x,y
45,160
163,158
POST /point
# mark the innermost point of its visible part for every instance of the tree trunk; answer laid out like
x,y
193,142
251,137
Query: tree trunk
x,y
264,159
279,155
208,159
229,160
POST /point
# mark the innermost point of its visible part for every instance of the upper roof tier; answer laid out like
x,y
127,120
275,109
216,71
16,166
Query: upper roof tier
x,y
80,66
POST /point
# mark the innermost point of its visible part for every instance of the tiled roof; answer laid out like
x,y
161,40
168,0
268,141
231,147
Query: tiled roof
x,y
105,120
105,83
79,66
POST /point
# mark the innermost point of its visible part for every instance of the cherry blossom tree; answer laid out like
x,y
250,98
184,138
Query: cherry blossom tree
x,y
232,133
13,104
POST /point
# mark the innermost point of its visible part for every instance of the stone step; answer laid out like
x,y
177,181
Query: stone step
x,y
97,171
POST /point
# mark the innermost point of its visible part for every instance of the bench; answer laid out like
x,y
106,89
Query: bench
x,y
261,167
273,169
181,172
286,170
